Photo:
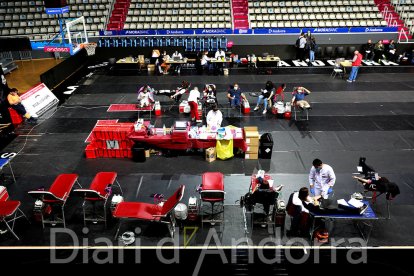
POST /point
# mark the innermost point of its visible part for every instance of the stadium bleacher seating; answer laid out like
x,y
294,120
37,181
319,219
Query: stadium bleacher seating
x,y
29,17
300,14
178,14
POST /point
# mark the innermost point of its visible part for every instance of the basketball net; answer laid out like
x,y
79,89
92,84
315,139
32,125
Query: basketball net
x,y
90,48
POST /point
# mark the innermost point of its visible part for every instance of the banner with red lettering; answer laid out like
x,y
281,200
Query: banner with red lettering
x,y
38,100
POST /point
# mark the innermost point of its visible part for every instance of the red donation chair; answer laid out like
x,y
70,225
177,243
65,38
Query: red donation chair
x,y
162,213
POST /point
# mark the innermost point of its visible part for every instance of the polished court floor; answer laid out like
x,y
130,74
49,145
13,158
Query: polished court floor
x,y
372,117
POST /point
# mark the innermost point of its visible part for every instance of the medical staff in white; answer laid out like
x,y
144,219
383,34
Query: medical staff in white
x,y
214,118
321,178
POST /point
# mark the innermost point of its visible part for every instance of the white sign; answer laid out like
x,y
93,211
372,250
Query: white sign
x,y
38,100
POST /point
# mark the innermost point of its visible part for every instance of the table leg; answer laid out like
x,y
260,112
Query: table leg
x,y
11,169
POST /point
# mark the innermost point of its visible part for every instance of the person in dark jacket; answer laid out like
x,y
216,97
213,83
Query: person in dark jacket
x,y
267,94
369,50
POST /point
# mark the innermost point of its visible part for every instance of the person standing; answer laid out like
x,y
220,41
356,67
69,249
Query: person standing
x,y
301,44
321,178
193,102
312,49
356,63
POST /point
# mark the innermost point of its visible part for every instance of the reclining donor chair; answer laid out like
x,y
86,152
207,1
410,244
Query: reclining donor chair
x,y
160,213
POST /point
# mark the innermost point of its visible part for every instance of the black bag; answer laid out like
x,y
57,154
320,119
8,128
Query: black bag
x,y
297,44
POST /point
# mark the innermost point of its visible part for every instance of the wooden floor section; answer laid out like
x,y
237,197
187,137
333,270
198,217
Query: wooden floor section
x,y
28,73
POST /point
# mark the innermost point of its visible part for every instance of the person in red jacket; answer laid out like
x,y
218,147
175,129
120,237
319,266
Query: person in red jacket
x,y
356,63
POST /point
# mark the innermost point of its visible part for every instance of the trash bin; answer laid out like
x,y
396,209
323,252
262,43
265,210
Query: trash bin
x,y
266,146
138,153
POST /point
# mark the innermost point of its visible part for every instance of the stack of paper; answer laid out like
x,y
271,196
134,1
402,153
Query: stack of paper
x,y
355,203
343,202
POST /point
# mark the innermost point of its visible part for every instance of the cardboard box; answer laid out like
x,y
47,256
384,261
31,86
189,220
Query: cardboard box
x,y
251,132
252,141
251,156
251,128
210,154
147,153
252,149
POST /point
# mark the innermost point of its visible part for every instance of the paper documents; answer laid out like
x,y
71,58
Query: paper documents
x,y
355,203
343,202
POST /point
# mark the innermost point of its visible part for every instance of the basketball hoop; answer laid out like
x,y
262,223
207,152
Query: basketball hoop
x,y
90,48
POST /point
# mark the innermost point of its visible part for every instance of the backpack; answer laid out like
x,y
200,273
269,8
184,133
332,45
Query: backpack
x,y
291,209
297,43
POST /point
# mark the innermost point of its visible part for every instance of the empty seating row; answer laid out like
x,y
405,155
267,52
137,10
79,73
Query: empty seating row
x,y
402,2
318,16
310,3
166,1
314,24
347,9
404,8
178,12
29,17
41,9
160,19
44,18
146,26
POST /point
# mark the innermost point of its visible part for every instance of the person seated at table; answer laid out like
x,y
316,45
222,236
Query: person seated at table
x,y
266,95
280,92
154,56
205,61
164,65
379,51
318,205
382,185
236,96
183,88
220,55
298,98
210,94
214,118
15,102
145,96
177,56
158,65
300,204
392,50
369,50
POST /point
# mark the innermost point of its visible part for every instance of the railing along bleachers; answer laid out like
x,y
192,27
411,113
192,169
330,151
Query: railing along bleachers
x,y
405,9
29,17
302,14
178,14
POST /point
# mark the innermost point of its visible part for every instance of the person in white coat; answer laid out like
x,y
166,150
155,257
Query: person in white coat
x,y
214,118
321,178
